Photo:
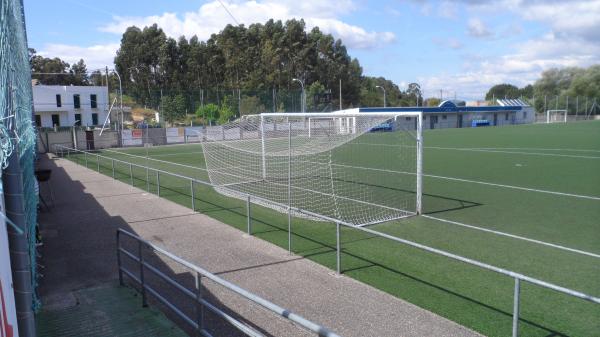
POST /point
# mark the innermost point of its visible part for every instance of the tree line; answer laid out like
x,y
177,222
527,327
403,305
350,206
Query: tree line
x,y
54,71
252,68
573,88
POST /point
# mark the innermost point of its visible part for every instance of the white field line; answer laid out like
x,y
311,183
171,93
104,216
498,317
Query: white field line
x,y
157,160
513,152
572,250
515,187
175,154
532,149
477,182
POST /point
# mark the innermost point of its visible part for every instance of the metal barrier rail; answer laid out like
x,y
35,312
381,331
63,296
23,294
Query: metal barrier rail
x,y
197,295
518,277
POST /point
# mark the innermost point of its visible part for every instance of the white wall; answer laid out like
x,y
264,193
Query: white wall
x,y
7,300
44,104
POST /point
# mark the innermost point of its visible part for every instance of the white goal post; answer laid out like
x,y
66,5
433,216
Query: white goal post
x,y
556,116
336,166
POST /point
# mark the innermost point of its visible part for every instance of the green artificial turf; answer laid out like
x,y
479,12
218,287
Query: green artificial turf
x,y
557,157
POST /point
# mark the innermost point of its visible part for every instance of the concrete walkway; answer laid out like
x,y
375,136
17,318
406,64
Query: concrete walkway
x,y
79,252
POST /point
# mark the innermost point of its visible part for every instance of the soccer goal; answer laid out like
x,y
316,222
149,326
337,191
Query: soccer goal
x,y
556,116
322,166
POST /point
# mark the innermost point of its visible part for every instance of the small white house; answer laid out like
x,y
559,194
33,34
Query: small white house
x,y
57,105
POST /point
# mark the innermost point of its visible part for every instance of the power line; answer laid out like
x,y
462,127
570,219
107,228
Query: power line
x,y
228,12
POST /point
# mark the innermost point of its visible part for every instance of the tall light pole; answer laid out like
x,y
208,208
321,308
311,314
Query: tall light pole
x,y
382,88
303,98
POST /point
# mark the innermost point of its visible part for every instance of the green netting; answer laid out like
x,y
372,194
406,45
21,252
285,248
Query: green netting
x,y
16,128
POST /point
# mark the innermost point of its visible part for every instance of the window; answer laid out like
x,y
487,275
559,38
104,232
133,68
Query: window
x,y
506,116
76,101
38,120
524,114
94,119
93,101
55,120
407,118
58,101
443,116
424,117
77,119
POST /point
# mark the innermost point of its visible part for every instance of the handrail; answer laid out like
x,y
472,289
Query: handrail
x,y
517,276
287,314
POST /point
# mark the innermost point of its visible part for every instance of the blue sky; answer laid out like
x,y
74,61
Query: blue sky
x,y
461,47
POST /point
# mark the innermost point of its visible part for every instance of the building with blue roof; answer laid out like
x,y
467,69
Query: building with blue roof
x,y
455,114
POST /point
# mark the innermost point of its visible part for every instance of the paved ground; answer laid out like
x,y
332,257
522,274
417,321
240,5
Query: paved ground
x,y
108,310
79,252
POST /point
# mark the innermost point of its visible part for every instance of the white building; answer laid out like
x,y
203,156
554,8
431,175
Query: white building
x,y
57,105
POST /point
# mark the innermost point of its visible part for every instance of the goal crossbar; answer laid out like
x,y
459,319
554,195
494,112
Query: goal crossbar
x,y
341,114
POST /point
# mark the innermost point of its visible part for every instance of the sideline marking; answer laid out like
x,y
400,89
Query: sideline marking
x,y
572,250
534,149
515,187
512,152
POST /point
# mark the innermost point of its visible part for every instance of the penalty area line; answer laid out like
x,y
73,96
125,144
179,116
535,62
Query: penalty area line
x,y
548,244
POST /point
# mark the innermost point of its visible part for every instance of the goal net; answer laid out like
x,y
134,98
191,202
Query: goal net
x,y
556,116
324,166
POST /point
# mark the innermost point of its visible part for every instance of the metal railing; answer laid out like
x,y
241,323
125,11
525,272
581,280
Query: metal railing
x,y
198,294
518,277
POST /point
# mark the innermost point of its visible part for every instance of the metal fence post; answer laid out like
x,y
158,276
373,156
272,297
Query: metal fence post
x,y
158,183
131,173
515,325
142,283
290,230
193,194
199,306
338,260
147,178
85,156
119,257
98,162
248,215
113,168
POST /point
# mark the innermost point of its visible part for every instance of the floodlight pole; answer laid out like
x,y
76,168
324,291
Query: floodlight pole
x,y
384,100
303,100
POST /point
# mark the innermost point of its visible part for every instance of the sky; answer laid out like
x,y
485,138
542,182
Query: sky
x,y
453,48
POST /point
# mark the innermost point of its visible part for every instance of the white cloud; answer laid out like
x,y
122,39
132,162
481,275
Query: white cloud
x,y
571,39
521,67
95,57
211,18
476,28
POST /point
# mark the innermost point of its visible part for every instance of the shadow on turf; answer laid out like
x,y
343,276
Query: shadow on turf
x,y
240,211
